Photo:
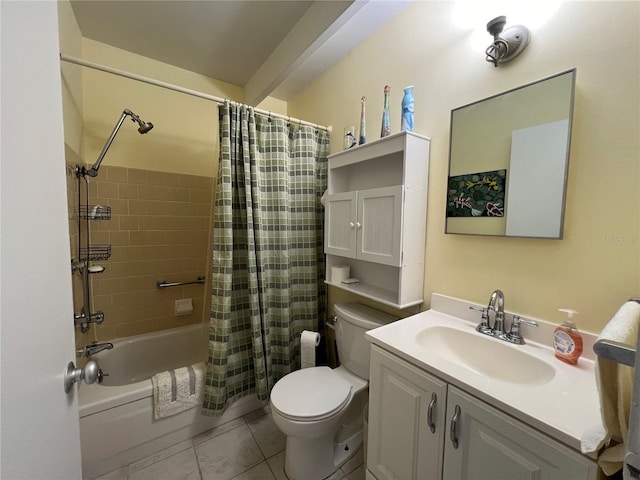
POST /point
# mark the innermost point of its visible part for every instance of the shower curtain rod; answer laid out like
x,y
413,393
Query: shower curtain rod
x,y
177,88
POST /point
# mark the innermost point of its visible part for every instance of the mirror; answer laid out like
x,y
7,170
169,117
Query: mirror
x,y
508,160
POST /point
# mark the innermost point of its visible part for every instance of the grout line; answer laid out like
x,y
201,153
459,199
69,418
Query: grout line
x,y
158,456
208,436
195,454
271,470
264,457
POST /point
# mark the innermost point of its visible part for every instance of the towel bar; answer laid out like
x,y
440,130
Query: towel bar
x,y
165,284
616,351
632,457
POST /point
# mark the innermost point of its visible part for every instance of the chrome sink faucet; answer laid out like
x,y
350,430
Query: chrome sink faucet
x,y
498,323
496,303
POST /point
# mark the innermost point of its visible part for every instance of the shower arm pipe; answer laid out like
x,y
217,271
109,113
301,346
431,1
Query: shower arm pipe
x,y
93,171
187,91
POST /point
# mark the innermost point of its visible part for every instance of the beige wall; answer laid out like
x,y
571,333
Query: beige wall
x,y
185,134
596,266
71,44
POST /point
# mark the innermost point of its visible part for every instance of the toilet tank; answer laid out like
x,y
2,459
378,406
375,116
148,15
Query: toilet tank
x,y
353,320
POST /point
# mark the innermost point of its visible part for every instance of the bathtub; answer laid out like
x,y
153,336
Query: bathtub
x,y
116,417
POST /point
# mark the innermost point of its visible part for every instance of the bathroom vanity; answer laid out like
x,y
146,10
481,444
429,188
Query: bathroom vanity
x,y
447,402
376,218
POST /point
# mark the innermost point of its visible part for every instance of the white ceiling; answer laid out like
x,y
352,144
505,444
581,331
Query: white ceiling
x,y
268,47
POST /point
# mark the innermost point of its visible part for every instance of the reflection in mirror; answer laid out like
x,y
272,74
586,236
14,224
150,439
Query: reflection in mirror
x,y
508,161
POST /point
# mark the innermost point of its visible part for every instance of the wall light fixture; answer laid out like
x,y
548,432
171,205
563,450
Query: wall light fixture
x,y
507,44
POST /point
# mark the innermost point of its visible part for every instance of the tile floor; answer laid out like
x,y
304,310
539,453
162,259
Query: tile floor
x,y
248,448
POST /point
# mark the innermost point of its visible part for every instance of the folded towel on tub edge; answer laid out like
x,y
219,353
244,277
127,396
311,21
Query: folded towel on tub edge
x,y
175,391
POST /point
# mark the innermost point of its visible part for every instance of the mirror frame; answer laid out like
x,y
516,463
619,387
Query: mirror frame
x,y
571,104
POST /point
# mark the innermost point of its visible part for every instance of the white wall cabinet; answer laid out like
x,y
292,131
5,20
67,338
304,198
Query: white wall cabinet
x,y
376,217
473,440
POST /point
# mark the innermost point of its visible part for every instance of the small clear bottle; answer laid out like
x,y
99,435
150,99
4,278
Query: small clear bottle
x,y
567,341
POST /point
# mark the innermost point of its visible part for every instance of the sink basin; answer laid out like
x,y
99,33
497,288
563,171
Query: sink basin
x,y
486,356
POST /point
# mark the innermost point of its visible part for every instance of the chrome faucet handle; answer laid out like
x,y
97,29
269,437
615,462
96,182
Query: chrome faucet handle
x,y
514,335
483,326
97,317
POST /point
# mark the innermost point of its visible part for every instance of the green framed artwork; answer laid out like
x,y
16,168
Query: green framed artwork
x,y
477,194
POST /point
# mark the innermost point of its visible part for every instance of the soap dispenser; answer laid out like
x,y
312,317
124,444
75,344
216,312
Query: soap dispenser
x,y
567,341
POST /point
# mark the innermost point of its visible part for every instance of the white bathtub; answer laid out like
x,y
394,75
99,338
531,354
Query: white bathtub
x,y
116,418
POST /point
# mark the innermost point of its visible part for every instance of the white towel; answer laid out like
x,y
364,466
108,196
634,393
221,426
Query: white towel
x,y
175,391
615,385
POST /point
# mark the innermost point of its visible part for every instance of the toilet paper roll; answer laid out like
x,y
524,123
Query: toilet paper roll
x,y
308,343
339,273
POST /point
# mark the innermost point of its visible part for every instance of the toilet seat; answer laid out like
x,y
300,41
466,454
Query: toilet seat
x,y
310,394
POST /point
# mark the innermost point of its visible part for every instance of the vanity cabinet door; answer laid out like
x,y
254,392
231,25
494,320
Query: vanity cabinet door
x,y
404,404
483,443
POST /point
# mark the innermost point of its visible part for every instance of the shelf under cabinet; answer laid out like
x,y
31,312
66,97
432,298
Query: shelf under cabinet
x,y
380,295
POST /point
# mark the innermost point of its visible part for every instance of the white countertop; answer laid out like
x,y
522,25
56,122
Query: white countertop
x,y
564,408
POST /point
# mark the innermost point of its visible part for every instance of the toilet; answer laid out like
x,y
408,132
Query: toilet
x,y
319,409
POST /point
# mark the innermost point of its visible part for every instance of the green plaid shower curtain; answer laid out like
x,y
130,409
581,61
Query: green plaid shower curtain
x,y
268,264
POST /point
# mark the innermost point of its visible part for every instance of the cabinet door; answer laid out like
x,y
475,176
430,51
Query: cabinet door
x,y
340,224
485,444
379,227
405,403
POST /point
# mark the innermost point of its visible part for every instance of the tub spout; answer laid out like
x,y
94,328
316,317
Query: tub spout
x,y
94,348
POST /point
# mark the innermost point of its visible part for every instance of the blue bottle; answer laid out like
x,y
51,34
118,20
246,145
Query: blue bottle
x,y
407,109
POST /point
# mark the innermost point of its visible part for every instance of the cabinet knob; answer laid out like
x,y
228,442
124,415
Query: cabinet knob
x,y
352,225
358,225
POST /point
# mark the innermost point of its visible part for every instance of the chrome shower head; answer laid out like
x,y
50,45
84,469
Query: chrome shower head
x,y
143,127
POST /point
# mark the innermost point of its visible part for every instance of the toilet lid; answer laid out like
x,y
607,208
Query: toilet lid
x,y
310,393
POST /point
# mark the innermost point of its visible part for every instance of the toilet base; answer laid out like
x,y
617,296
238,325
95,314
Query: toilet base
x,y
316,459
